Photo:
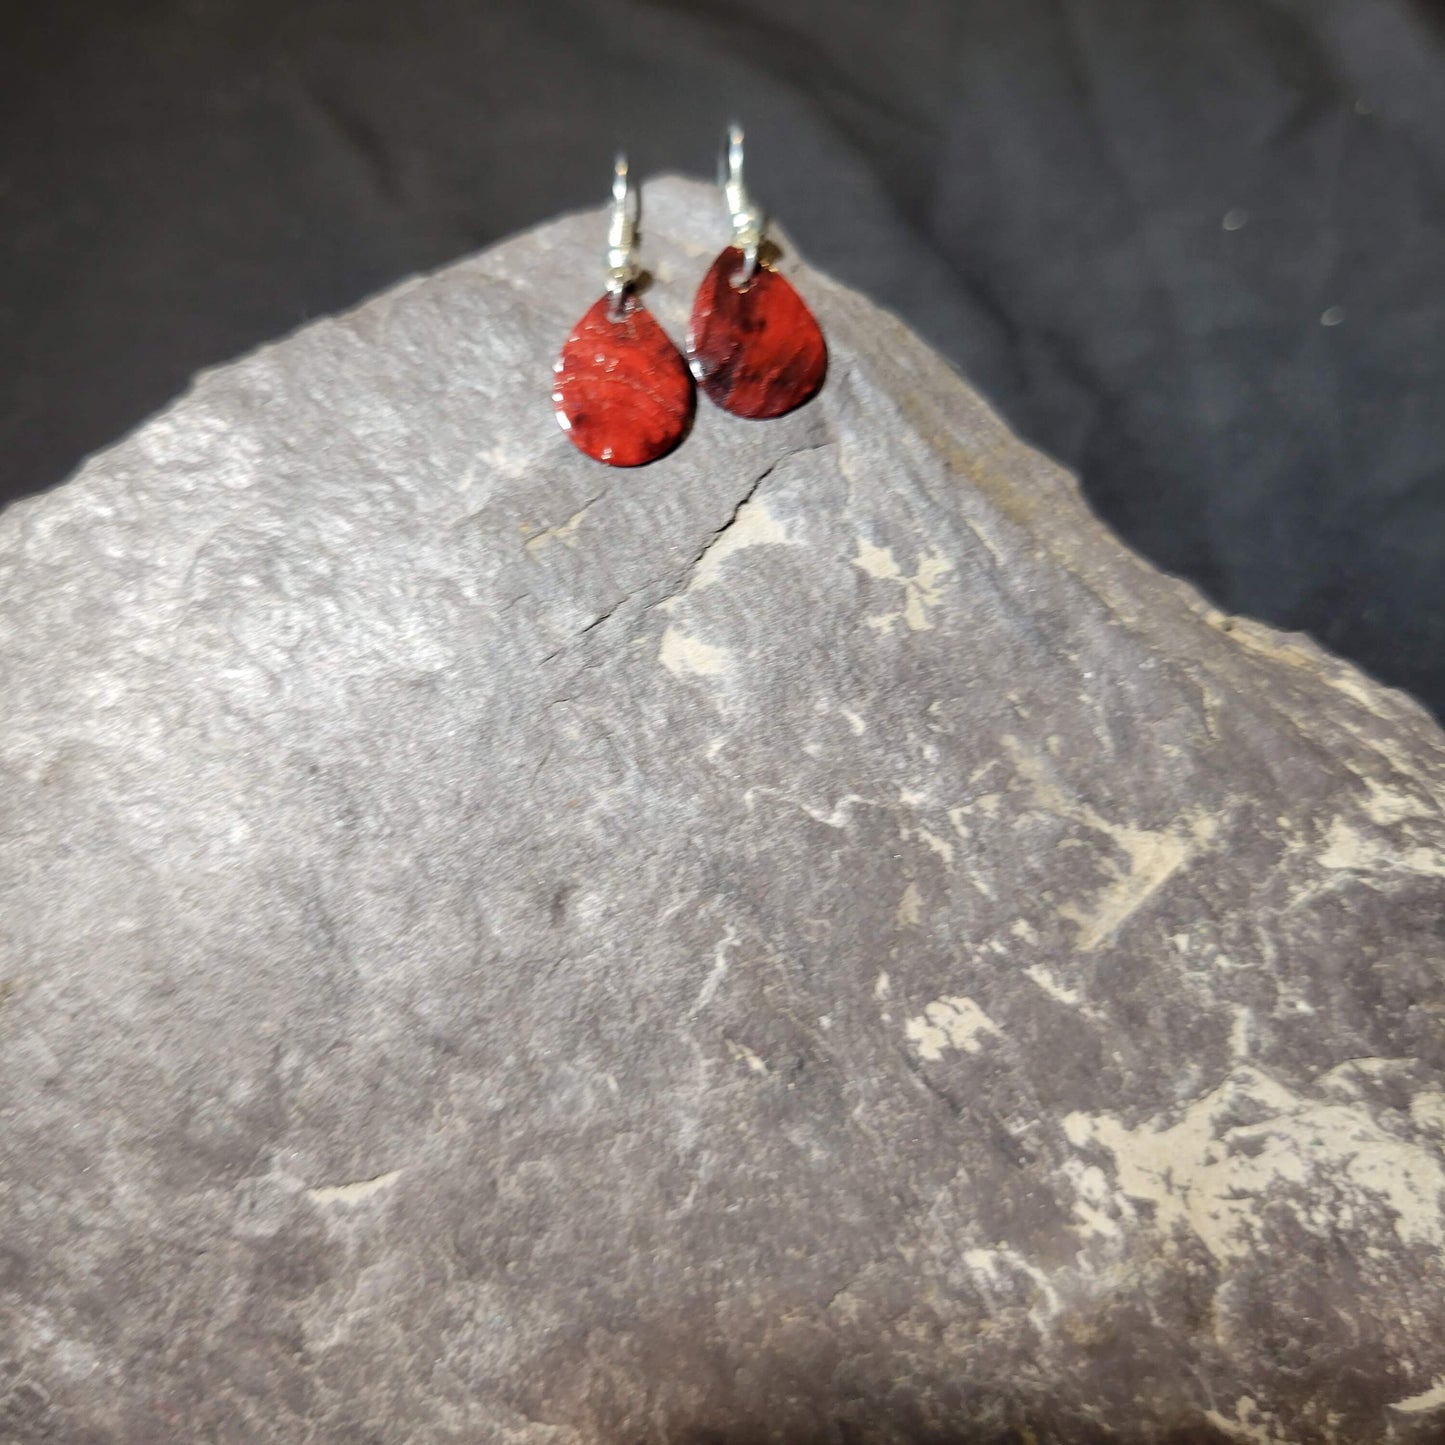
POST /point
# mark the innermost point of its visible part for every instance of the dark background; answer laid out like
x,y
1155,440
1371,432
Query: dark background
x,y
1193,248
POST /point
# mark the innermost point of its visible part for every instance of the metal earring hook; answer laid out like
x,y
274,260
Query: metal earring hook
x,y
622,269
748,219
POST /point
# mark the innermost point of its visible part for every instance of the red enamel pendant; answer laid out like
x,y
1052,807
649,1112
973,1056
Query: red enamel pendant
x,y
755,349
621,391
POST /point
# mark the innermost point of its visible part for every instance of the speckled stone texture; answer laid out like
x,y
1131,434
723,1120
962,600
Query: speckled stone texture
x,y
807,941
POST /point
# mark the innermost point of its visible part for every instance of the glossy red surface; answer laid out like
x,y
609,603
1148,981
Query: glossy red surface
x,y
621,389
755,350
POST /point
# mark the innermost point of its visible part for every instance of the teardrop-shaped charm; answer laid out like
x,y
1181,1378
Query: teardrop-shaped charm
x,y
755,349
622,390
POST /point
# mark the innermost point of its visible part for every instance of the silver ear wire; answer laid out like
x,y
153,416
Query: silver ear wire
x,y
748,219
622,268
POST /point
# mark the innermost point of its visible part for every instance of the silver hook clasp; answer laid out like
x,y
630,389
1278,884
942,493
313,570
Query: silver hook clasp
x,y
749,222
622,270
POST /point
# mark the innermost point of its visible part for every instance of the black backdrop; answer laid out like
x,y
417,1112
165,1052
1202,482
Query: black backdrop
x,y
1194,249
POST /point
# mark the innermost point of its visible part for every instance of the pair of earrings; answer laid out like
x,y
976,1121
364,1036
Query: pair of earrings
x,y
622,391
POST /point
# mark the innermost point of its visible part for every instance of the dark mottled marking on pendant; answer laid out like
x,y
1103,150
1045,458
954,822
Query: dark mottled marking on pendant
x,y
755,350
622,392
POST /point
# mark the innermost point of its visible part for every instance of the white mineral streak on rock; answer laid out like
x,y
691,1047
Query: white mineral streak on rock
x,y
921,592
1427,1109
1385,805
357,1192
910,907
1151,860
1051,986
1431,1399
941,847
754,526
1323,1162
1346,848
1248,1423
1004,1273
713,981
563,532
1097,1205
838,816
1151,856
685,656
949,1023
744,1055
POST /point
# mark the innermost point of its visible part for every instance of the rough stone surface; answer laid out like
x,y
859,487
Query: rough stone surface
x,y
810,940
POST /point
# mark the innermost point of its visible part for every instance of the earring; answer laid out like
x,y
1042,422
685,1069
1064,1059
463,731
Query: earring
x,y
621,389
753,345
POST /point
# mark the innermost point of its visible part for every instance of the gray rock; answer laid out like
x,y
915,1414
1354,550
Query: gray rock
x,y
810,940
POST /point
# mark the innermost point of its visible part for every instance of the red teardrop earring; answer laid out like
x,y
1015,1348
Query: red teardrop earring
x,y
753,345
621,390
